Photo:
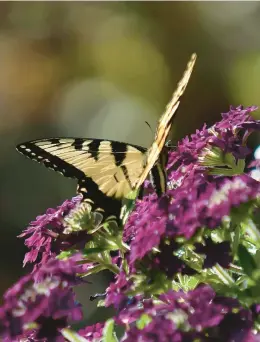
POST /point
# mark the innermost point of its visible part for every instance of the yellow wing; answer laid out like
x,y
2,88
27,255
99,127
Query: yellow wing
x,y
104,166
113,166
165,123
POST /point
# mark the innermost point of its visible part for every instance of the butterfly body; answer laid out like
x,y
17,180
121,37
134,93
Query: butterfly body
x,y
106,170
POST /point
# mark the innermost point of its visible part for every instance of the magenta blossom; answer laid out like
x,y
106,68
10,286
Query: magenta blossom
x,y
44,231
93,332
44,298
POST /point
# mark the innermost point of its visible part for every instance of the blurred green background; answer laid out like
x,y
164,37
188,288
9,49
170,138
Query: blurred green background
x,y
101,70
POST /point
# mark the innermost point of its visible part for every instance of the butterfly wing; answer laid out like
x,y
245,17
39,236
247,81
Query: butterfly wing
x,y
114,167
165,123
106,170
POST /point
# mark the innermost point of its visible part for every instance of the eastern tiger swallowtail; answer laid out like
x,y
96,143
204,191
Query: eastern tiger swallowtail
x,y
107,171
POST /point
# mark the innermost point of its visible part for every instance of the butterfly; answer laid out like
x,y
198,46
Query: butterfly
x,y
107,171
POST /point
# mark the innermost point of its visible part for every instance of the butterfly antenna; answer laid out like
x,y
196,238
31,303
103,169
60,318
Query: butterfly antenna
x,y
147,123
97,296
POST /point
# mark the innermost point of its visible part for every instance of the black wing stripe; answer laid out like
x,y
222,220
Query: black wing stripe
x,y
158,178
93,149
90,190
119,152
49,160
55,140
125,171
111,206
105,170
78,143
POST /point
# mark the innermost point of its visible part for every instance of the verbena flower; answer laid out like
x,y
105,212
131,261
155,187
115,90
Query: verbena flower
x,y
201,201
215,149
207,202
45,230
92,333
43,301
116,292
32,336
185,316
160,329
237,118
149,225
185,264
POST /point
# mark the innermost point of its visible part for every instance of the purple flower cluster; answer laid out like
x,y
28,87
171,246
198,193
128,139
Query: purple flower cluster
x,y
208,201
115,293
201,311
200,199
40,304
160,329
93,332
173,277
151,215
228,135
45,231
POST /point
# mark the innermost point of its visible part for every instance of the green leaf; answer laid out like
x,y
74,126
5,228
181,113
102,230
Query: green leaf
x,y
252,231
247,261
108,332
235,240
240,214
66,254
95,250
240,166
94,270
257,258
143,321
223,275
127,207
72,336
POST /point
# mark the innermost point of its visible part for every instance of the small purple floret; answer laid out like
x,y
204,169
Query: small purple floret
x,y
45,298
44,231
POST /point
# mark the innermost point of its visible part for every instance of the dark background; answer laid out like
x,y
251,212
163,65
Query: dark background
x,y
101,70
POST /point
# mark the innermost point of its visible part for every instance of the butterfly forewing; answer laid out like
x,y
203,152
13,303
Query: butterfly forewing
x,y
108,170
113,166
165,122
